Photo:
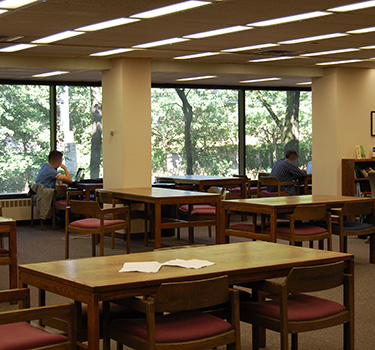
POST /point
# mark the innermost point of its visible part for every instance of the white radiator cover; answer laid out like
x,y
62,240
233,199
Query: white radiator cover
x,y
18,208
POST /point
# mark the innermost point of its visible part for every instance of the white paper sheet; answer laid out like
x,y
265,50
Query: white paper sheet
x,y
145,266
189,264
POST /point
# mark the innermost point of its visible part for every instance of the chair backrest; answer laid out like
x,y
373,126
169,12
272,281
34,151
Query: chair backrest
x,y
263,174
1,211
15,295
192,295
310,212
268,181
61,190
357,208
103,196
371,178
315,278
89,208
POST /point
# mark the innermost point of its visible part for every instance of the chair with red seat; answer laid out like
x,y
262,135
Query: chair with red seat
x,y
289,310
173,319
17,333
94,223
271,181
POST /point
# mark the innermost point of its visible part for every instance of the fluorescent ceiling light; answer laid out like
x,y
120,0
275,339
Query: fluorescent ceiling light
x,y
160,43
111,52
57,37
197,78
13,4
196,55
259,80
252,47
321,53
182,6
371,47
50,74
272,59
353,7
3,11
215,32
288,19
313,38
337,62
18,47
362,31
107,24
304,83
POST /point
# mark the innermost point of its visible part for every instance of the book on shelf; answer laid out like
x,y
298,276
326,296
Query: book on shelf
x,y
360,152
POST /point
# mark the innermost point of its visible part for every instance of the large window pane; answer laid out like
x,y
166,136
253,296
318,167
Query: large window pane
x,y
24,134
194,131
276,121
79,128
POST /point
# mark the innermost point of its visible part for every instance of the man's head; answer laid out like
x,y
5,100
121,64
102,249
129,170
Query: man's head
x,y
291,155
55,159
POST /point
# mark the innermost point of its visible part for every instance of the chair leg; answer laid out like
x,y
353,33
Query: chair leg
x,y
372,249
127,231
283,340
321,244
209,231
66,243
294,341
191,235
93,244
256,330
101,237
113,240
53,219
348,336
32,215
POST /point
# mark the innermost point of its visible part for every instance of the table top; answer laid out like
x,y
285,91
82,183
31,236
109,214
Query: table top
x,y
284,201
195,179
159,193
5,220
253,261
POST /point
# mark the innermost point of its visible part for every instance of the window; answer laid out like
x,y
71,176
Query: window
x,y
194,131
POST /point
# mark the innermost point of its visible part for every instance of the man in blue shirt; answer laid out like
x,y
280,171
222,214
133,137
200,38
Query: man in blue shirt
x,y
48,174
284,170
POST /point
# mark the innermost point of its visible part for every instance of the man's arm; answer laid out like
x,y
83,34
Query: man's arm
x,y
65,178
295,171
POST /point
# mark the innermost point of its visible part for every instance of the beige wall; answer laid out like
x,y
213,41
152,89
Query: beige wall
x,y
127,113
342,102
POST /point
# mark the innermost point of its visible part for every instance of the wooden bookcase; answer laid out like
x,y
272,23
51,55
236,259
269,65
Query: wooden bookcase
x,y
352,180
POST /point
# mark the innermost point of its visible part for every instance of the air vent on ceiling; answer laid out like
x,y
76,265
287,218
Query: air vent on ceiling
x,y
9,39
277,53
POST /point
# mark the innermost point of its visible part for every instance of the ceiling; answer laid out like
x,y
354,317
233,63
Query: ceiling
x,y
44,18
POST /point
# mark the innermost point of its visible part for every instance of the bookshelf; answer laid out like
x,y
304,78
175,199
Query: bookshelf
x,y
354,182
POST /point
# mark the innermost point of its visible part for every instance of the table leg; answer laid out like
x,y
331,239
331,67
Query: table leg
x,y
219,224
13,268
273,225
93,327
157,225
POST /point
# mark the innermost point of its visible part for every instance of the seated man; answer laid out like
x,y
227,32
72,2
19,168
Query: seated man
x,y
48,174
285,170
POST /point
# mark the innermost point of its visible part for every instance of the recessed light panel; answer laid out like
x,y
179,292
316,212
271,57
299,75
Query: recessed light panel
x,y
107,24
252,47
197,78
160,43
332,52
56,37
197,55
50,74
259,80
111,52
13,4
18,47
216,32
337,62
270,59
313,38
353,7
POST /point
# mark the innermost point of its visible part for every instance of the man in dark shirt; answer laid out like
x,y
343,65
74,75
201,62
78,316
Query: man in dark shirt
x,y
285,170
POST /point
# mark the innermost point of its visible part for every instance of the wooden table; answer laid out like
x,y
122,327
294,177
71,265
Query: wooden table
x,y
203,182
8,229
88,187
273,206
91,280
158,197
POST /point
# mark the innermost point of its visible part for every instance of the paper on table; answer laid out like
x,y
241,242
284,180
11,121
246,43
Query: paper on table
x,y
145,266
189,264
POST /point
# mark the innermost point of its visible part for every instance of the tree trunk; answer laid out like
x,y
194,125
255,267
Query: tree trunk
x,y
96,134
291,125
188,114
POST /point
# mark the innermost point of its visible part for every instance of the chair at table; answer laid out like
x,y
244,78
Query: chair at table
x,y
265,181
289,310
62,191
302,228
173,319
371,179
17,333
94,223
347,226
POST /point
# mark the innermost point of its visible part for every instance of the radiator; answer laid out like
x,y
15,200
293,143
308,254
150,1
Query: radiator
x,y
18,209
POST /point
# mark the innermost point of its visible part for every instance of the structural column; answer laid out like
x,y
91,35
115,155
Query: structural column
x,y
342,101
127,124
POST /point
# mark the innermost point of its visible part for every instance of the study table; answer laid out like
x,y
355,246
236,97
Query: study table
x,y
203,182
88,187
272,206
91,280
157,197
8,230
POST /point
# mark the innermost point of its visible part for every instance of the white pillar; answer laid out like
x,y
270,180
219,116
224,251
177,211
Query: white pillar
x,y
127,124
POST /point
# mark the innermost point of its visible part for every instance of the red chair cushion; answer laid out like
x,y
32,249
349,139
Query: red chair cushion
x,y
22,336
177,327
4,251
303,230
199,209
94,223
61,203
301,307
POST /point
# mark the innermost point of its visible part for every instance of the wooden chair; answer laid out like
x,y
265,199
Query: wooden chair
x,y
8,252
105,197
17,333
348,225
179,324
265,181
371,179
299,230
291,311
94,223
61,204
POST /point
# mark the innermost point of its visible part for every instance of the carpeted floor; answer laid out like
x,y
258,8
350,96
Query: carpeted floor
x,y
36,246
